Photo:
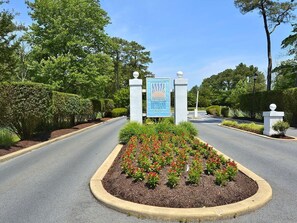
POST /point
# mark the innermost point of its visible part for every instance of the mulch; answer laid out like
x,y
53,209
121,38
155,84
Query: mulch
x,y
47,136
205,194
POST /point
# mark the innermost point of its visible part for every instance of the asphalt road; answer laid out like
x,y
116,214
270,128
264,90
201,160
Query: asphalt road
x,y
51,184
273,160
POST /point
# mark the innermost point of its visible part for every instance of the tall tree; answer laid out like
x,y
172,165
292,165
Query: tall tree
x,y
127,58
273,13
67,38
9,44
218,89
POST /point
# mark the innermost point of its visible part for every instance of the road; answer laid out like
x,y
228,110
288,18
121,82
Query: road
x,y
51,184
273,160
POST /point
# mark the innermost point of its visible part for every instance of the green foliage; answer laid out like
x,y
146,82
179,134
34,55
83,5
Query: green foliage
x,y
7,138
128,57
286,100
189,127
225,111
281,127
116,112
23,106
225,87
214,110
68,109
109,105
129,130
67,46
9,45
286,75
273,13
251,127
136,129
122,98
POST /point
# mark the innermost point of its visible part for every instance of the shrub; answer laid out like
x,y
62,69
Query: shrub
x,y
189,127
281,127
24,106
109,105
7,138
214,110
122,97
129,130
251,127
116,112
225,111
69,108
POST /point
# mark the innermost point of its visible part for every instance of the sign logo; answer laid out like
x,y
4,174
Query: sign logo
x,y
158,97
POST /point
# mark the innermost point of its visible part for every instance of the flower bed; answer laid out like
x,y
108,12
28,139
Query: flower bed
x,y
175,155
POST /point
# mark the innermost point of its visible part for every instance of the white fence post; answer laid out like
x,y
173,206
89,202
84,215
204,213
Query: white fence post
x,y
180,99
135,98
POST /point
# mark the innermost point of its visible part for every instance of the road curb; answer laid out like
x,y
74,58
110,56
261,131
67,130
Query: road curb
x,y
256,134
39,145
258,200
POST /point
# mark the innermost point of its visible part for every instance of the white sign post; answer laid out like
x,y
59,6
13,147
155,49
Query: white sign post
x,y
181,99
196,109
136,98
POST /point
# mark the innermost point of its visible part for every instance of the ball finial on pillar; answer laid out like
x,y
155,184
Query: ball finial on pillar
x,y
180,74
135,74
272,107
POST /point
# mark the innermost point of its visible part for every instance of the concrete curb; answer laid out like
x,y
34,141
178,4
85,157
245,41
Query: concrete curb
x,y
263,195
39,145
259,135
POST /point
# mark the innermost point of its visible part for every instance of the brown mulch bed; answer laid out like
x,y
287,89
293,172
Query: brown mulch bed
x,y
206,194
47,136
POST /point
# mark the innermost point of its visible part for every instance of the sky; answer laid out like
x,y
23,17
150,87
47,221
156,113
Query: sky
x,y
199,37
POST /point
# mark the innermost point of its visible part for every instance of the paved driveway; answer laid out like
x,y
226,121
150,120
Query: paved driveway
x,y
273,160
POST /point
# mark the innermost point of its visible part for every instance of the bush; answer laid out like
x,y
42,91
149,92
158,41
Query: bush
x,y
281,127
251,127
129,130
214,110
23,106
7,138
122,98
109,105
189,127
225,111
116,112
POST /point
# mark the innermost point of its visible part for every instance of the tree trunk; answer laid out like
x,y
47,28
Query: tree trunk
x,y
269,67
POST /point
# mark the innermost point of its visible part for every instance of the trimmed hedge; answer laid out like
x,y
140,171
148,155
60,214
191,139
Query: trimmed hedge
x,y
116,112
214,110
28,108
286,100
23,106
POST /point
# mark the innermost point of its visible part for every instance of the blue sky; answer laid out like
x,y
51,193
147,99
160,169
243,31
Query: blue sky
x,y
198,37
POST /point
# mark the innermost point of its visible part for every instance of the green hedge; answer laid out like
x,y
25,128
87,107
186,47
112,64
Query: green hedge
x,y
28,108
23,106
286,100
116,112
214,110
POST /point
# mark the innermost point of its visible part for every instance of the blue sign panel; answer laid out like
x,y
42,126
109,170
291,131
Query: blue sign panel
x,y
158,97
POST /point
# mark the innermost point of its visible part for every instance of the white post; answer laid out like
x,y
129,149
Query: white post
x,y
135,98
270,118
181,99
196,110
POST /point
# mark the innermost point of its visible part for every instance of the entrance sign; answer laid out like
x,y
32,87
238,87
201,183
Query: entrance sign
x,y
158,97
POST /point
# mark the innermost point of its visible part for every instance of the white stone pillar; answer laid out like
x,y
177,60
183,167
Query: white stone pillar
x,y
135,98
180,99
270,118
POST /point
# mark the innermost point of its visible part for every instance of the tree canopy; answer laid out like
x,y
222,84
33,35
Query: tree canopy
x,y
9,44
223,87
273,13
